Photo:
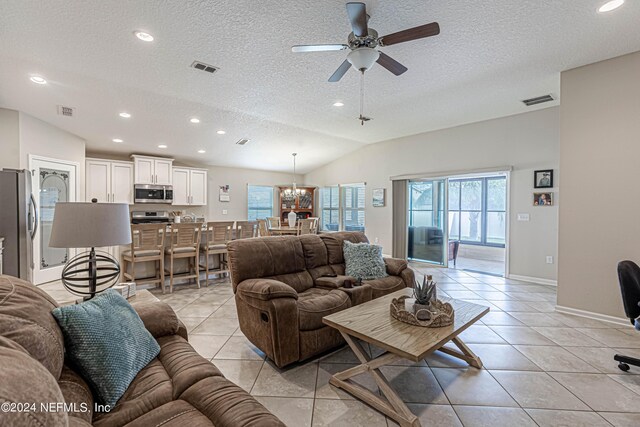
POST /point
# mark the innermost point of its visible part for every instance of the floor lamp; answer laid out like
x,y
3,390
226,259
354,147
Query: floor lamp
x,y
90,225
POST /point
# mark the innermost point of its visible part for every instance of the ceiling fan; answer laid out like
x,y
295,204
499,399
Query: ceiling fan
x,y
363,42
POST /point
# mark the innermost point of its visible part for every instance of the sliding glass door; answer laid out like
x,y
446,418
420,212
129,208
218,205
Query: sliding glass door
x,y
477,210
427,237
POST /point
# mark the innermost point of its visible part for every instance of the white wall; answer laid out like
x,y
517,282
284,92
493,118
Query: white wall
x,y
22,135
238,181
9,139
599,152
526,142
42,139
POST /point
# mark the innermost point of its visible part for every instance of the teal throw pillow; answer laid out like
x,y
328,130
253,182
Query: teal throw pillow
x,y
364,261
107,342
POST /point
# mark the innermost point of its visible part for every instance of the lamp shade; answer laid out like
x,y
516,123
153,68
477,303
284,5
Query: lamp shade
x,y
90,225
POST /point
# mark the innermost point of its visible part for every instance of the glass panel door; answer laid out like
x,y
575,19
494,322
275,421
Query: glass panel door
x,y
427,238
53,182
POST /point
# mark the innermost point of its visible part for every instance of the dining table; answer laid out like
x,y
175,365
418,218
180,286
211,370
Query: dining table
x,y
280,231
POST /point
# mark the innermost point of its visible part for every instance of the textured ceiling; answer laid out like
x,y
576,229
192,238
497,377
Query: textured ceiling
x,y
489,56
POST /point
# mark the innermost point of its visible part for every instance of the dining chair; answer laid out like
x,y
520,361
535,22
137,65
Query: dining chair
x,y
306,226
273,222
246,229
147,245
316,223
214,242
263,228
185,244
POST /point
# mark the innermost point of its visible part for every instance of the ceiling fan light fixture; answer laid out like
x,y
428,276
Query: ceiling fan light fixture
x,y
363,58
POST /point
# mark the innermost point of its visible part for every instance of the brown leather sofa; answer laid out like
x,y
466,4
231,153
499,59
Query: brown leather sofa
x,y
282,296
178,388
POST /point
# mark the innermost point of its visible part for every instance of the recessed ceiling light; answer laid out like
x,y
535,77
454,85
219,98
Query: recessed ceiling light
x,y
125,115
162,146
39,80
194,120
338,104
610,5
221,132
145,37
117,140
202,151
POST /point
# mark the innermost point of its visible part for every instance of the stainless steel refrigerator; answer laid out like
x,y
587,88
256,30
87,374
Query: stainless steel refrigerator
x,y
18,222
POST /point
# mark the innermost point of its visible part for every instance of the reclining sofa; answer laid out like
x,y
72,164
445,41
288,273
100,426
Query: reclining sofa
x,y
282,296
178,388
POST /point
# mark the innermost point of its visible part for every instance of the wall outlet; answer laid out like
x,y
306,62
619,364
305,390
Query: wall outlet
x,y
549,259
523,217
375,241
224,211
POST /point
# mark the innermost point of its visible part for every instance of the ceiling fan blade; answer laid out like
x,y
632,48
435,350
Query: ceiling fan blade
x,y
415,33
391,64
318,47
342,69
358,17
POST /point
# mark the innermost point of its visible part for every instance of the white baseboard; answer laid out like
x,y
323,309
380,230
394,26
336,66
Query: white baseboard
x,y
538,280
591,315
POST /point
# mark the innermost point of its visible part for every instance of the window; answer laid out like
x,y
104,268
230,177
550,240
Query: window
x,y
421,204
259,202
477,210
353,202
330,208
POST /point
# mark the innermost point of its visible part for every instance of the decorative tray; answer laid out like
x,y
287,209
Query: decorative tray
x,y
442,315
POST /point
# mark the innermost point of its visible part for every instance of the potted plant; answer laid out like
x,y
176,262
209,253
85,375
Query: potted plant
x,y
424,293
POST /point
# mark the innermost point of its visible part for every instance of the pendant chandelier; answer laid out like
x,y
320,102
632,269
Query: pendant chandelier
x,y
294,189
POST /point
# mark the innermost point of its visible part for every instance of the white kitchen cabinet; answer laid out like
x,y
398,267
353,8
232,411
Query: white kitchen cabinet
x,y
198,185
163,171
109,181
181,186
189,187
152,170
98,180
122,182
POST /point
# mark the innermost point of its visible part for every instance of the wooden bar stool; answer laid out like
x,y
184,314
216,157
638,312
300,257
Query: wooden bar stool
x,y
214,242
185,244
147,245
246,229
263,228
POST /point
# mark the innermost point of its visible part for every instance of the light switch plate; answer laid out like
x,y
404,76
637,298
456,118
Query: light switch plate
x,y
549,259
224,211
523,217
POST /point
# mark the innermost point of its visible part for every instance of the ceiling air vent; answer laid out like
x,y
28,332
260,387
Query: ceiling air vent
x,y
204,67
66,111
243,141
538,100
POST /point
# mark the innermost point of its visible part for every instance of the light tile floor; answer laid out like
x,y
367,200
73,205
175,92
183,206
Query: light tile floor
x,y
541,367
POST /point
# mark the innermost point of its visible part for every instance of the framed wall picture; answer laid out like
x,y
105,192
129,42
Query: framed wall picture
x,y
224,194
378,197
542,199
543,178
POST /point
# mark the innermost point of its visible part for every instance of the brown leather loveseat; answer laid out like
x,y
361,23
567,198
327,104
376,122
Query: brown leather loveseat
x,y
178,388
282,296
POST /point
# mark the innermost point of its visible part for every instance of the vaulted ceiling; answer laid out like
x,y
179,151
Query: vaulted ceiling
x,y
489,56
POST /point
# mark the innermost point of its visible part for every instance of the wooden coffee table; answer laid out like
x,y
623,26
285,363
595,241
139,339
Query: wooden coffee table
x,y
372,322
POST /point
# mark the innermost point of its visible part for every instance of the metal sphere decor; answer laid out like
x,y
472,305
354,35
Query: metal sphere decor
x,y
90,273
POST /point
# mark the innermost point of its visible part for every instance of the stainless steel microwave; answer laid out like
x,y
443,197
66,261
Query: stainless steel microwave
x,y
145,193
